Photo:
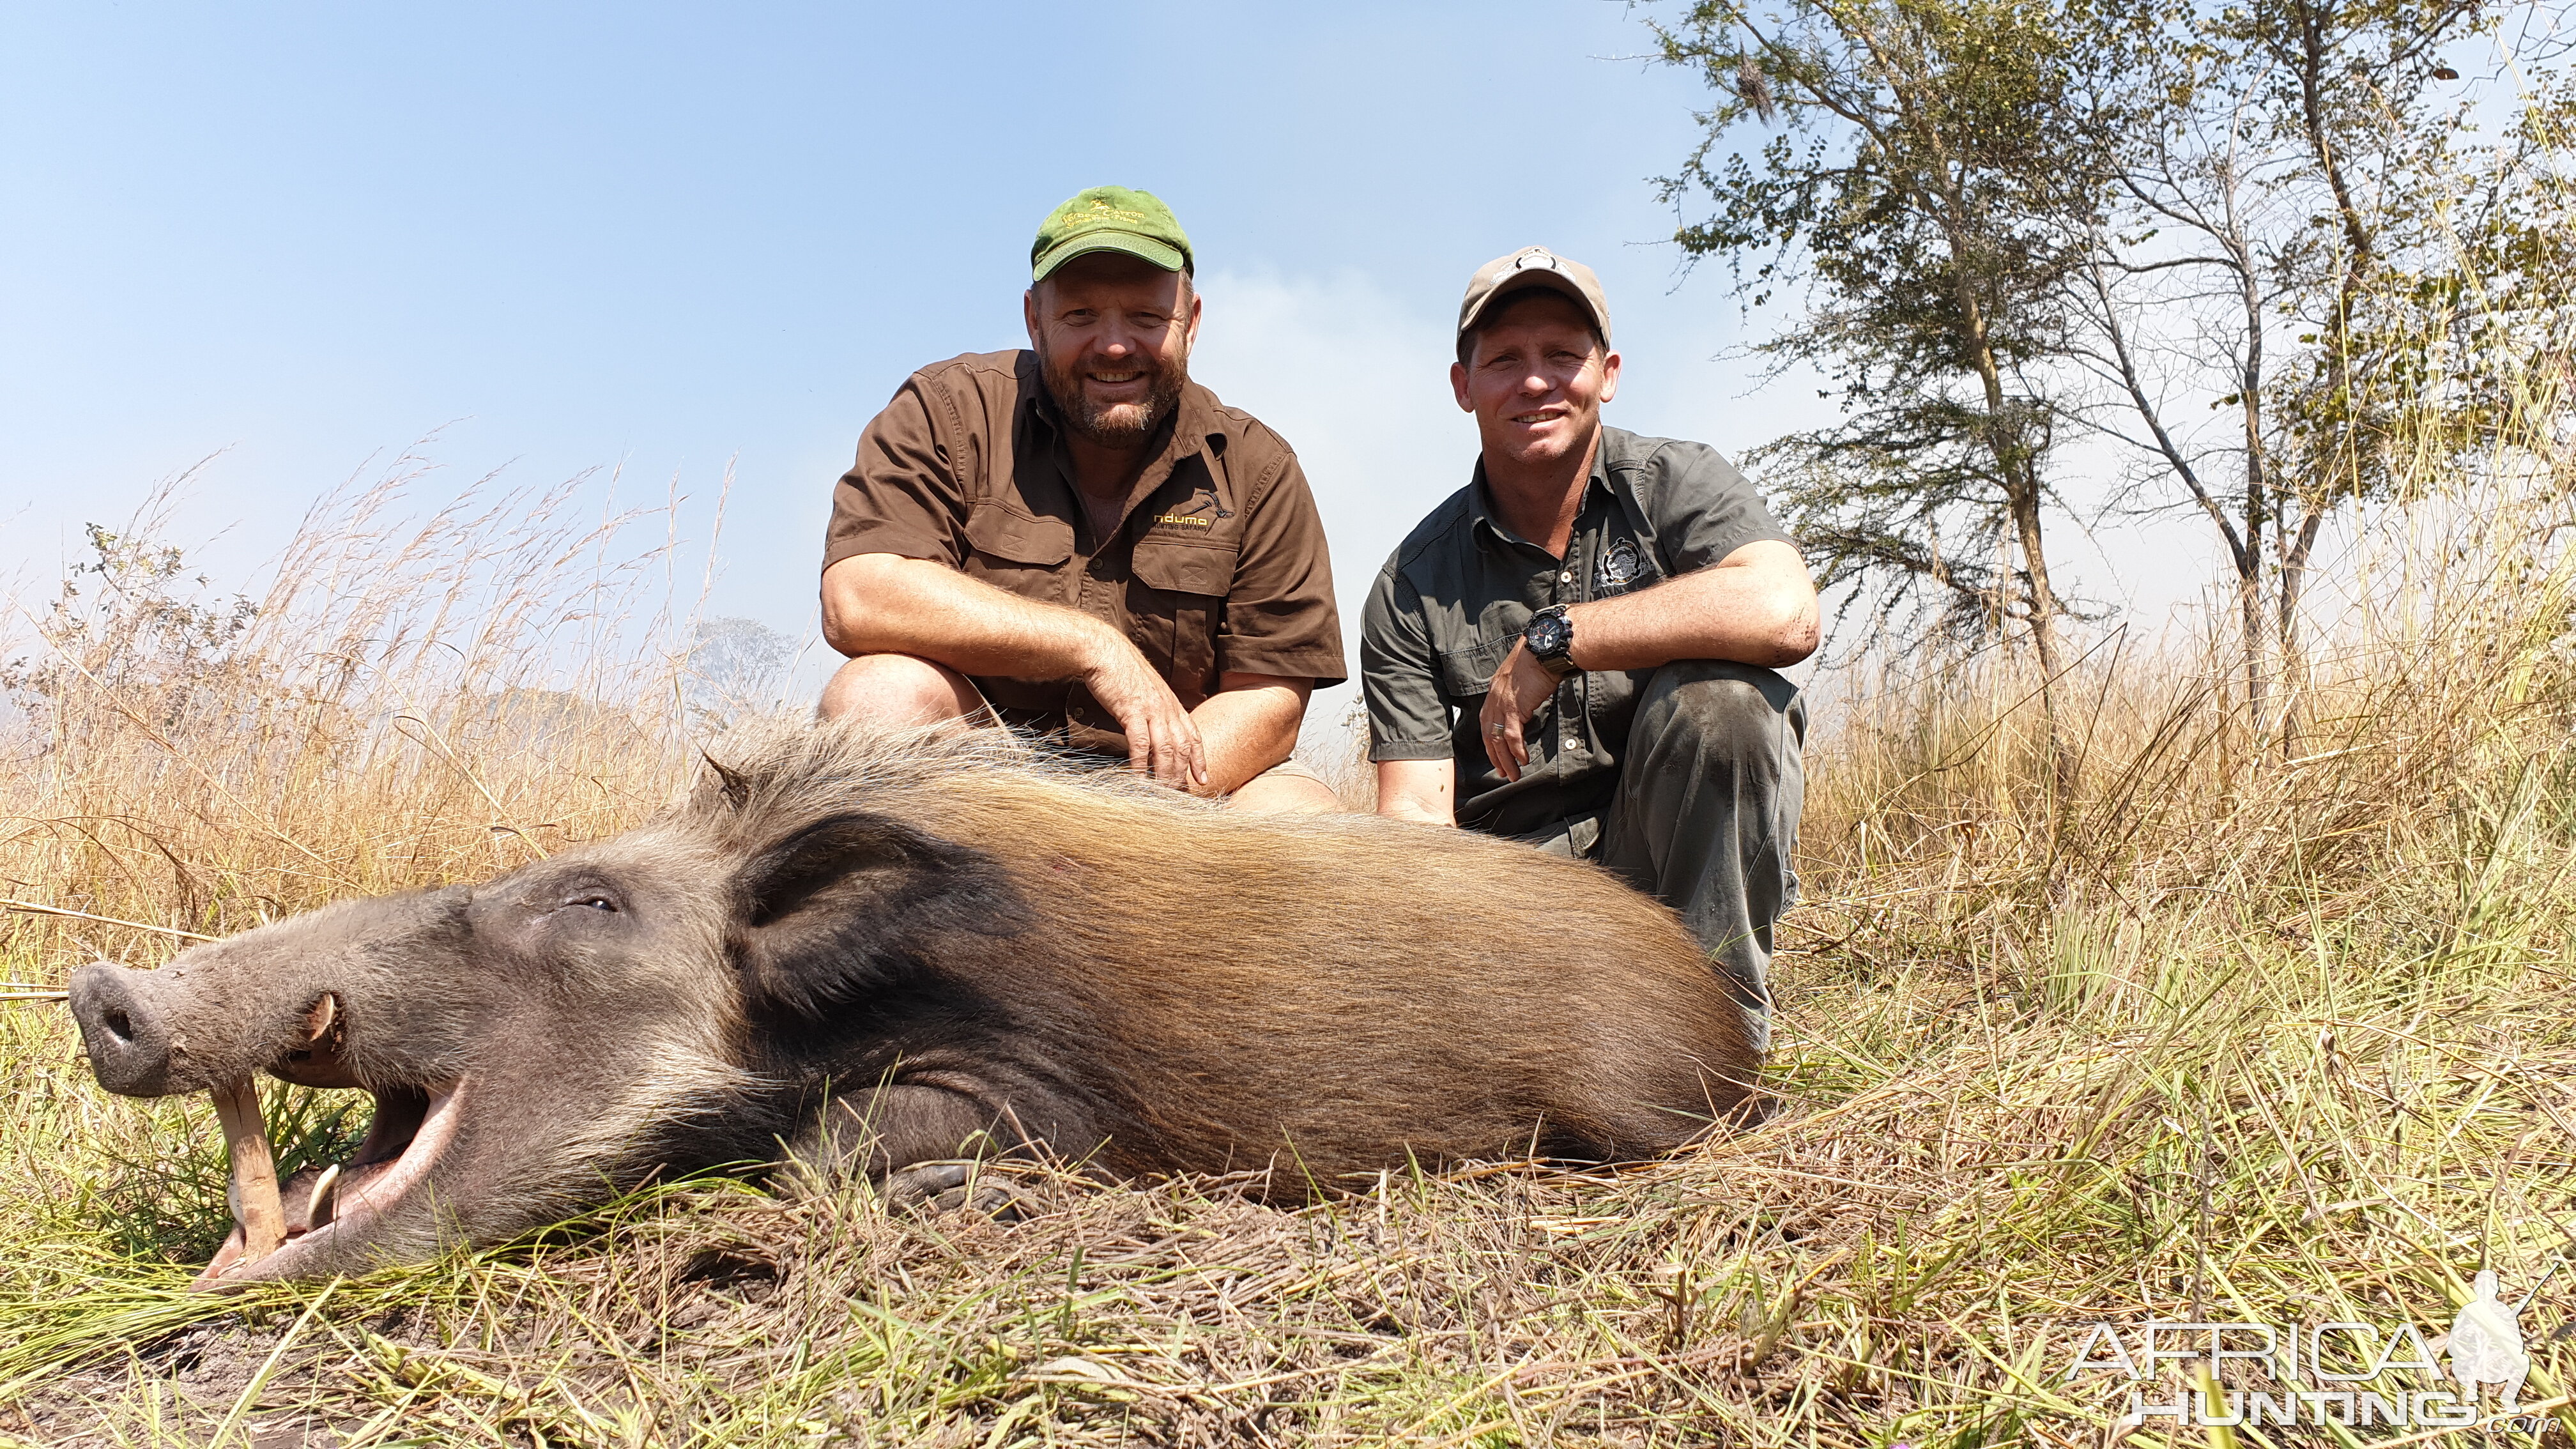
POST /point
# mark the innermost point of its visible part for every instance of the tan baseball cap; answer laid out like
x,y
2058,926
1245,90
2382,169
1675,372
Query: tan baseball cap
x,y
1533,267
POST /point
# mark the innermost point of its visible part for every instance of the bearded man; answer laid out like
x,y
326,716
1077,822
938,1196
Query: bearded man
x,y
1080,541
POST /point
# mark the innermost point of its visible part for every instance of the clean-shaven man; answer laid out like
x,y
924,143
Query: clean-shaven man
x,y
1578,648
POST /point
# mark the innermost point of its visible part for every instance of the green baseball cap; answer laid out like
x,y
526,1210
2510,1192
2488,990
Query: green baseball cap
x,y
1110,219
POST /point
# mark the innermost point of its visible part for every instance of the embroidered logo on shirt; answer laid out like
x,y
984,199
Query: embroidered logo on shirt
x,y
1185,517
1620,570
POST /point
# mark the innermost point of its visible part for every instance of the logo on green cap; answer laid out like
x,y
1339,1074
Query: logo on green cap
x,y
1110,219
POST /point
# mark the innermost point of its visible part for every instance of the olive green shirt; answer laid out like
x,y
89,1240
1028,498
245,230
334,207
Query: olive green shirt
x,y
1455,596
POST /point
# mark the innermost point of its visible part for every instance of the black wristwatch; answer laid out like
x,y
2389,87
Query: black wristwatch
x,y
1550,640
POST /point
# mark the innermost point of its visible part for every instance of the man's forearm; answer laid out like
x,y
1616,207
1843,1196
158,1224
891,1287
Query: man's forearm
x,y
1421,791
884,604
880,603
1755,608
1249,725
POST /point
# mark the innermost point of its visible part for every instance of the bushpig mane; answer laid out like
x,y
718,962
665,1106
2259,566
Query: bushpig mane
x,y
772,775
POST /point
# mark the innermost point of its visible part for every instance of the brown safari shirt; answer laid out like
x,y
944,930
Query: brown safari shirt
x,y
1217,565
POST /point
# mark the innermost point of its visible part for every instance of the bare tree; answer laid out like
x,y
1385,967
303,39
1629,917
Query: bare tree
x,y
736,667
2282,175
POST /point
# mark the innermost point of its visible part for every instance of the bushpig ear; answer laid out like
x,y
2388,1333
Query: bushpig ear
x,y
851,903
735,784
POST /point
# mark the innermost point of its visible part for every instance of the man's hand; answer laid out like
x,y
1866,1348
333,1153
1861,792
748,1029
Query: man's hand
x,y
1520,686
1162,740
878,603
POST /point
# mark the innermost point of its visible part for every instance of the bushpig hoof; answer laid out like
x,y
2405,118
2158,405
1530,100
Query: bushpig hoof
x,y
939,1187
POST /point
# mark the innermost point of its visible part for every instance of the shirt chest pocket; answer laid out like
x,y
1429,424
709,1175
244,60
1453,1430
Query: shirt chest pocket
x,y
1178,609
1019,554
1468,673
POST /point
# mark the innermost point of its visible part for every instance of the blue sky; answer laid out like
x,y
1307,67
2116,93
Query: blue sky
x,y
664,239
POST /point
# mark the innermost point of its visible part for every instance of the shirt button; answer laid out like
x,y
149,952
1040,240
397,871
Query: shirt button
x,y
1566,577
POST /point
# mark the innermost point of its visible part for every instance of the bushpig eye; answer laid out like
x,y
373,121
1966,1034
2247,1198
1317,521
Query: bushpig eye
x,y
595,900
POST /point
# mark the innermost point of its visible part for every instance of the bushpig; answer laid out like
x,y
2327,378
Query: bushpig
x,y
881,950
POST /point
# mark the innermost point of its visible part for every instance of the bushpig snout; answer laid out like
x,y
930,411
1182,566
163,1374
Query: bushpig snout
x,y
185,1029
267,997
127,1029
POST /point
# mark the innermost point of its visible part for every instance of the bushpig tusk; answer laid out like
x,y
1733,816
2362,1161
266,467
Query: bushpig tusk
x,y
254,1170
317,1212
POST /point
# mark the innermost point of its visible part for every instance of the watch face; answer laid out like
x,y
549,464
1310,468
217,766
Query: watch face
x,y
1548,637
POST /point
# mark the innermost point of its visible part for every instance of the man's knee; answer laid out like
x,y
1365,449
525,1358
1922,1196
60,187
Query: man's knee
x,y
898,689
1718,708
1280,792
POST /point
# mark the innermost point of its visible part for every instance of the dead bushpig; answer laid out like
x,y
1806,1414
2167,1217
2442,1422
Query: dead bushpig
x,y
892,949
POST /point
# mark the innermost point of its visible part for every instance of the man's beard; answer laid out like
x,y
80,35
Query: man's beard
x,y
1115,425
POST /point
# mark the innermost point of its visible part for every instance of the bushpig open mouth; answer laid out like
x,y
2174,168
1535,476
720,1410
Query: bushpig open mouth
x,y
276,1227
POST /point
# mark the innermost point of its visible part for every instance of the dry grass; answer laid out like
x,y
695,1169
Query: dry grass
x,y
2221,1036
